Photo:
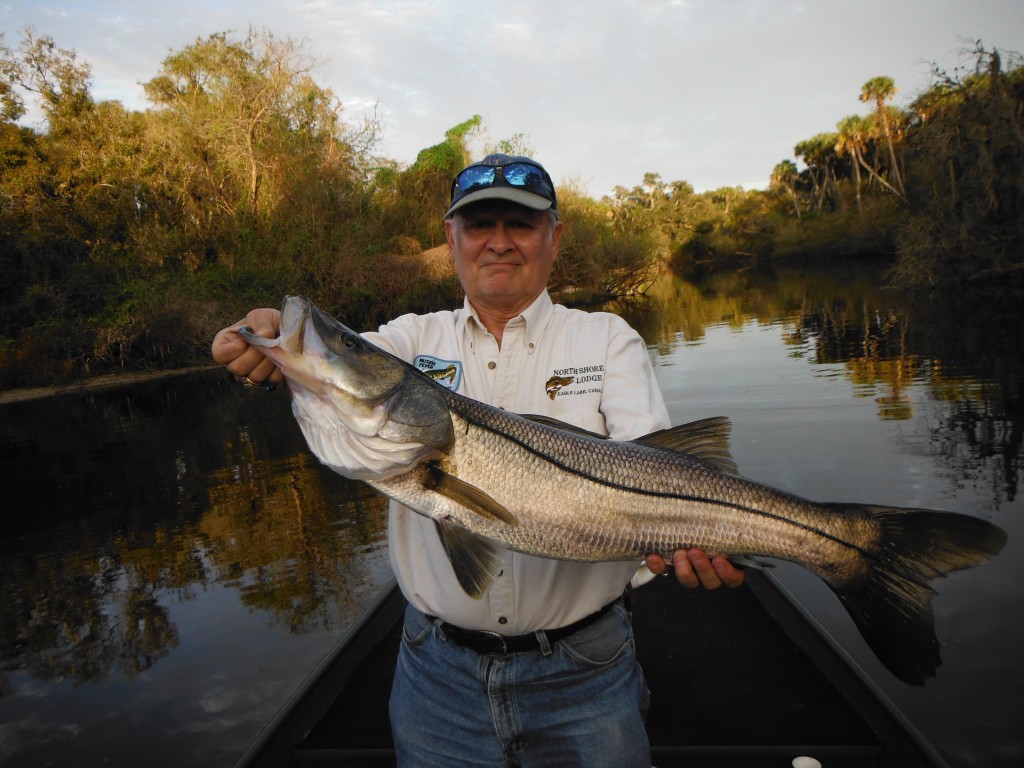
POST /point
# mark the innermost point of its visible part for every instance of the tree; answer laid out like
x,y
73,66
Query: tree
x,y
52,74
965,158
598,258
819,155
850,140
855,137
518,144
784,176
413,197
235,116
879,90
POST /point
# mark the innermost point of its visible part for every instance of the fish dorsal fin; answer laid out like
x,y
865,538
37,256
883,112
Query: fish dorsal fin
x,y
706,439
548,421
474,559
466,495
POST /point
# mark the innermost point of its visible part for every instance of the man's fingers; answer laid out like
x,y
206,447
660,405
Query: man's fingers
x,y
693,568
684,569
248,364
730,575
242,360
703,568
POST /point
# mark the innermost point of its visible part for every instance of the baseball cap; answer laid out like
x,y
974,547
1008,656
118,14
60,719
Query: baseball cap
x,y
504,177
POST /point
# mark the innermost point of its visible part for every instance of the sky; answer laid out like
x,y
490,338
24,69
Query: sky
x,y
713,92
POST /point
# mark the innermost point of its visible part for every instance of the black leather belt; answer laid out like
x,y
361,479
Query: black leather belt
x,y
484,642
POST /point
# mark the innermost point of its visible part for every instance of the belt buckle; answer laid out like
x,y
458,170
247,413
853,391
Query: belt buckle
x,y
494,635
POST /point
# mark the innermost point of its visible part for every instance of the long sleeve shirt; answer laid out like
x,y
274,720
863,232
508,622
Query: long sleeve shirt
x,y
589,369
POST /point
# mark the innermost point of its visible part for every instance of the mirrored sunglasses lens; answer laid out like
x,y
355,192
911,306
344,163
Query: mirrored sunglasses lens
x,y
523,175
476,177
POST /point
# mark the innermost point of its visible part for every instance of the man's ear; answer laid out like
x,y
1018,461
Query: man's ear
x,y
450,236
556,236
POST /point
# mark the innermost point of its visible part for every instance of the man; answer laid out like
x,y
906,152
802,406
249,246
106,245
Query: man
x,y
541,669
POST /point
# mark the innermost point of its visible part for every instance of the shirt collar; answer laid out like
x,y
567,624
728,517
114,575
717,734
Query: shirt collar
x,y
536,316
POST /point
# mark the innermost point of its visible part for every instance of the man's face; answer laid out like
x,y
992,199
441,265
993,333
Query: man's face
x,y
503,252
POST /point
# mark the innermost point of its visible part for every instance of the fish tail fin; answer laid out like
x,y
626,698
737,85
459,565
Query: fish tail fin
x,y
892,604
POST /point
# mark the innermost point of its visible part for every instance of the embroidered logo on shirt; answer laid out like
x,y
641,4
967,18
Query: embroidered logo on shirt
x,y
555,383
445,372
572,381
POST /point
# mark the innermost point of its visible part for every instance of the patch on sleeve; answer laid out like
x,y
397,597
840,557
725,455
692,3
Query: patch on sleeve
x,y
448,373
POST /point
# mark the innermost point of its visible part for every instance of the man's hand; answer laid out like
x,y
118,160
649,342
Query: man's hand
x,y
693,568
243,361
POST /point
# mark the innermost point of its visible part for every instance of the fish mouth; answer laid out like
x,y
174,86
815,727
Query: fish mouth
x,y
295,313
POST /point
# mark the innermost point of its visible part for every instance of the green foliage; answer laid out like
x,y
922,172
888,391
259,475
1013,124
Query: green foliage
x,y
966,178
517,145
842,235
128,238
730,227
54,74
113,218
241,130
415,199
597,261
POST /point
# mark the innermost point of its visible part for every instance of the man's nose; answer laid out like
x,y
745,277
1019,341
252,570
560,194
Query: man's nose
x,y
500,242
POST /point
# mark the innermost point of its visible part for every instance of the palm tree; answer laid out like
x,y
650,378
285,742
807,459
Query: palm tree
x,y
853,136
784,175
879,90
818,154
850,141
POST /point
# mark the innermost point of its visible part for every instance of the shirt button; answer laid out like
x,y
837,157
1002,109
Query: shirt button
x,y
502,620
492,365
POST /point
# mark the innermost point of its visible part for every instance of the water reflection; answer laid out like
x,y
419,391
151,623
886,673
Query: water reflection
x,y
961,346
131,511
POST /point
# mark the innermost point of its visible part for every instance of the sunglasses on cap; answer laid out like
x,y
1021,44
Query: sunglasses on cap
x,y
515,173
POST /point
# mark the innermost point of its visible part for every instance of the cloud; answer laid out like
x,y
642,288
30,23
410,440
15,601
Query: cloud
x,y
715,93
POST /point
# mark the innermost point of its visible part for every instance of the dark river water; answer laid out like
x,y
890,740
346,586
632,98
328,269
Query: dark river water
x,y
173,563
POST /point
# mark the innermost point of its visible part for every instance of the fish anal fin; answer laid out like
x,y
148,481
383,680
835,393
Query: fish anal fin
x,y
466,495
706,439
474,559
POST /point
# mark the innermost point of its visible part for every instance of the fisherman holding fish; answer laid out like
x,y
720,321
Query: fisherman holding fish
x,y
537,667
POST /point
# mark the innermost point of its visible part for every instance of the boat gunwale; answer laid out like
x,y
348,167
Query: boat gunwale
x,y
899,741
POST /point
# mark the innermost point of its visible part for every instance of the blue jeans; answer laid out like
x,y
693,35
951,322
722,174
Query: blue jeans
x,y
579,703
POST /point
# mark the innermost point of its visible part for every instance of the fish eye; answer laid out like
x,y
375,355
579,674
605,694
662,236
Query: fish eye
x,y
350,342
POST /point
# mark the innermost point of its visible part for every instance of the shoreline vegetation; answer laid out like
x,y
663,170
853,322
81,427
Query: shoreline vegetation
x,y
98,382
129,238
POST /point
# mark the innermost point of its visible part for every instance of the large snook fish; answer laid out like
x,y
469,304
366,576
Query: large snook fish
x,y
490,478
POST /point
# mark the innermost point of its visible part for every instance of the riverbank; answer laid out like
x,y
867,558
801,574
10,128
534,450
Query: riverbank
x,y
99,382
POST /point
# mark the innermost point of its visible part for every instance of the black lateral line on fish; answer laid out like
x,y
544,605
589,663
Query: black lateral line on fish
x,y
661,495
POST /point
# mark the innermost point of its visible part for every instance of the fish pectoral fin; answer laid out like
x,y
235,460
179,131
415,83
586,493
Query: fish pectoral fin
x,y
468,496
474,559
706,439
